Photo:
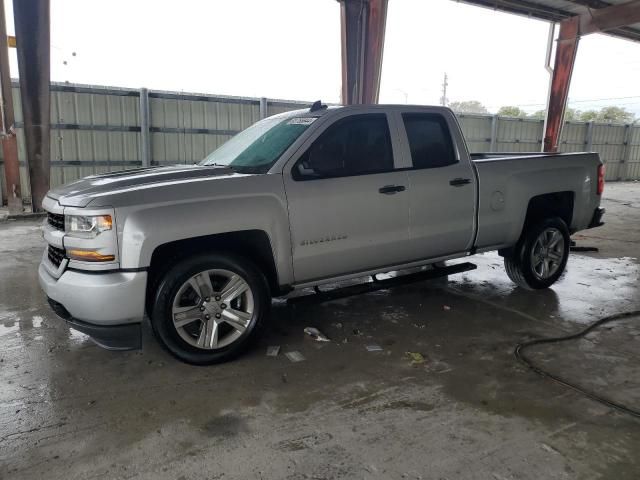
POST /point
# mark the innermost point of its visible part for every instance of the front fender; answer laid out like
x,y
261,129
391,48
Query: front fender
x,y
146,228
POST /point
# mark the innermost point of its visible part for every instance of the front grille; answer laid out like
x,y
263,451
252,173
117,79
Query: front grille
x,y
56,220
56,255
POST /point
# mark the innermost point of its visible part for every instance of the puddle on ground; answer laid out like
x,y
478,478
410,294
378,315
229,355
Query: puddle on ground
x,y
590,287
8,327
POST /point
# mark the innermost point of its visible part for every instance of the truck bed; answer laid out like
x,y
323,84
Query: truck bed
x,y
508,182
505,155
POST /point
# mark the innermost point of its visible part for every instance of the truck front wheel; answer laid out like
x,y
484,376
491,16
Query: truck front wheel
x,y
540,256
208,308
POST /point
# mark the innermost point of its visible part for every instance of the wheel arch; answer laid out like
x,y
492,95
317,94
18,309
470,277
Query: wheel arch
x,y
254,245
556,204
547,205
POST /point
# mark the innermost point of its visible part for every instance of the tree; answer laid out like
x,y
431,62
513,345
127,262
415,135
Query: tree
x,y
609,115
468,106
616,115
539,115
589,116
510,111
605,114
571,114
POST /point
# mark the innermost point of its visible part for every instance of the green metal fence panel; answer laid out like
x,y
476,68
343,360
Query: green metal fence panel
x,y
99,129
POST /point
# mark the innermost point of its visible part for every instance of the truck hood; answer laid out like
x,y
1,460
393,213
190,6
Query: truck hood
x,y
80,193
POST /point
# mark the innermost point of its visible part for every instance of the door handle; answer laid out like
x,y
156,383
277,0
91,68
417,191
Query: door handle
x,y
459,182
391,189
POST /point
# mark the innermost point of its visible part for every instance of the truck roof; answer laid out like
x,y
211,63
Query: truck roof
x,y
306,112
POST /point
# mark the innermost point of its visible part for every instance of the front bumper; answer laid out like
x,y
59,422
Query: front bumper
x,y
112,337
98,303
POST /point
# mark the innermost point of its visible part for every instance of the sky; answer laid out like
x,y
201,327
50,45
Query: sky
x,y
290,49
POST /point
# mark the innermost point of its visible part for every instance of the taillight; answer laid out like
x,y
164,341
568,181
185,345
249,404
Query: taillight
x,y
600,179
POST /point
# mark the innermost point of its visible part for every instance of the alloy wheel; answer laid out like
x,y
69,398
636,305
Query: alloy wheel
x,y
213,309
547,253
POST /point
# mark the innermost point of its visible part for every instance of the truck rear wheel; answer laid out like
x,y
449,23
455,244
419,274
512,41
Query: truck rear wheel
x,y
540,257
209,308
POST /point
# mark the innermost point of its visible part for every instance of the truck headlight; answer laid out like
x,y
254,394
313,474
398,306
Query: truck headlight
x,y
86,226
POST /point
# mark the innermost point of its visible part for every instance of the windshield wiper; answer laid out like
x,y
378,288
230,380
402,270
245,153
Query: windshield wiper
x,y
247,169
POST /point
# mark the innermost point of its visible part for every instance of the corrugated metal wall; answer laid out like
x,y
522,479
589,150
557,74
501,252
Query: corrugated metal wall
x,y
618,145
98,129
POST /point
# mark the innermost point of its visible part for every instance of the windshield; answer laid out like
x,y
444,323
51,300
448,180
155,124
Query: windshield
x,y
257,148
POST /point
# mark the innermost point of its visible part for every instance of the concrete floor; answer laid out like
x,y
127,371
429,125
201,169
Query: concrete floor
x,y
69,409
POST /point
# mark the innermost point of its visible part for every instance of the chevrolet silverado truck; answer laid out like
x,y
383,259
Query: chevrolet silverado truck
x,y
298,200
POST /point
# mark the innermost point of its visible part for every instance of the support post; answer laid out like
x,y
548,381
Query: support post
x,y
31,18
565,59
593,20
13,195
145,134
549,69
264,108
588,140
494,133
626,154
363,25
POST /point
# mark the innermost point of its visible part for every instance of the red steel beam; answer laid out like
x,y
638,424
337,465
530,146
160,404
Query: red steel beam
x,y
608,18
363,25
566,51
571,29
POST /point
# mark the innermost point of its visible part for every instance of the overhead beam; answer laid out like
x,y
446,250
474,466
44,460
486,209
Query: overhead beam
x,y
609,18
362,33
553,14
31,18
592,3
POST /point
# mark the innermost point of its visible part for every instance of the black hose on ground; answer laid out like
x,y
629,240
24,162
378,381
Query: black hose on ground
x,y
594,396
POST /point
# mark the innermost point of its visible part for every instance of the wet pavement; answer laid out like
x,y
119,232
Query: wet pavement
x,y
468,409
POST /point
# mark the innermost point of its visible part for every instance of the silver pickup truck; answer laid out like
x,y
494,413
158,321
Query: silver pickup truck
x,y
297,200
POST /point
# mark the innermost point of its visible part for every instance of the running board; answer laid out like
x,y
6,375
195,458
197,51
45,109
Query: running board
x,y
342,292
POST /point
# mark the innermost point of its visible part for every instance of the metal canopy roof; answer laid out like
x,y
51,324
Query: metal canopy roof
x,y
557,10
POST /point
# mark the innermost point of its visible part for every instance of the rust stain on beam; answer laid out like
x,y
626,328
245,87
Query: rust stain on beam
x,y
363,25
563,68
32,25
571,29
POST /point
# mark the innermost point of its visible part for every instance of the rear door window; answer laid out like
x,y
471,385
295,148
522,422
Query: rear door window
x,y
429,140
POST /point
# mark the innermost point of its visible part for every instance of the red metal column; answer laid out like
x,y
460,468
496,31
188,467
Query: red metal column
x,y
12,196
594,20
32,24
565,59
363,26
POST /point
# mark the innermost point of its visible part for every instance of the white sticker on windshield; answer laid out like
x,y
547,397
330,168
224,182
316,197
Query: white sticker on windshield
x,y
301,121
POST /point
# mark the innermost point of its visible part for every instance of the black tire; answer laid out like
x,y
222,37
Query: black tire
x,y
175,278
519,265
